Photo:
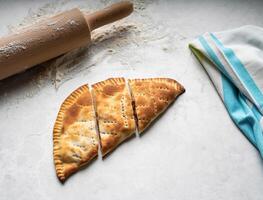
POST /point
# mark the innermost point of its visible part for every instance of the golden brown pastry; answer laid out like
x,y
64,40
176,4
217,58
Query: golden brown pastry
x,y
151,97
74,135
114,112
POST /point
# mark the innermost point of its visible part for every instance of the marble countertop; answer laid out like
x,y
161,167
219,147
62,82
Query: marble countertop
x,y
194,151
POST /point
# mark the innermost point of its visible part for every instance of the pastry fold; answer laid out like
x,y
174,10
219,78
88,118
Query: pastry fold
x,y
107,116
75,139
151,97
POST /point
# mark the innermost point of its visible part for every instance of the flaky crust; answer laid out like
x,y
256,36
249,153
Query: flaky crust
x,y
114,112
151,97
75,140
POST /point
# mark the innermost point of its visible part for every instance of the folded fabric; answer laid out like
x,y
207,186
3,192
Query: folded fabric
x,y
233,60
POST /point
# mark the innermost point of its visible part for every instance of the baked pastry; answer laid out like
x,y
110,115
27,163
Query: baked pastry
x,y
114,112
151,97
74,136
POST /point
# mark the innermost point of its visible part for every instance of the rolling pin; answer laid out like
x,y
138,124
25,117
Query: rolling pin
x,y
54,36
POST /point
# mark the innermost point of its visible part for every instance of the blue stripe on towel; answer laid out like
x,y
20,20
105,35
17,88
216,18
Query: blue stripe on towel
x,y
241,71
213,56
236,105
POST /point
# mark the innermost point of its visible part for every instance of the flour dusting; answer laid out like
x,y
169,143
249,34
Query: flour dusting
x,y
52,23
110,42
72,22
11,48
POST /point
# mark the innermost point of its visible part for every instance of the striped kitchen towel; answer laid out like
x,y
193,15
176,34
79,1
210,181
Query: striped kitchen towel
x,y
233,60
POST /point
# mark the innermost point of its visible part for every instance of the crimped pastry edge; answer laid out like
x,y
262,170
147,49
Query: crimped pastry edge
x,y
170,81
57,130
114,81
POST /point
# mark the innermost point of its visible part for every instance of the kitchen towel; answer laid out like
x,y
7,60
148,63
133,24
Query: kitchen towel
x,y
233,60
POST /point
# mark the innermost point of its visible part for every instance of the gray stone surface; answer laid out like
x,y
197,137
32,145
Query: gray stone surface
x,y
194,151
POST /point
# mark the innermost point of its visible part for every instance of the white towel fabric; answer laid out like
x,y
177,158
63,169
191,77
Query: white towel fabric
x,y
234,61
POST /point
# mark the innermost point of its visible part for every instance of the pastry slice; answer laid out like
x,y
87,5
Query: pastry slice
x,y
74,136
114,113
151,97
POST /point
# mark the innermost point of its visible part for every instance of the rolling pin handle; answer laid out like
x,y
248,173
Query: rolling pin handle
x,y
108,15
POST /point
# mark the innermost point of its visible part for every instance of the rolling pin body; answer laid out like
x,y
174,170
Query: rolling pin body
x,y
43,41
53,37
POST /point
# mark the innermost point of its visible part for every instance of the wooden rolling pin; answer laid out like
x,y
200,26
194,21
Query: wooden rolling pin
x,y
54,36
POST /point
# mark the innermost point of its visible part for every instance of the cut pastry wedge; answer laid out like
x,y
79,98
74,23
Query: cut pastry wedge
x,y
151,97
114,113
75,139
